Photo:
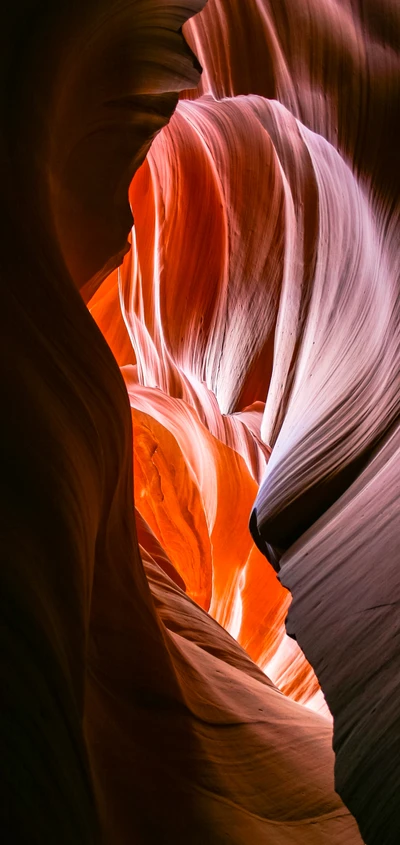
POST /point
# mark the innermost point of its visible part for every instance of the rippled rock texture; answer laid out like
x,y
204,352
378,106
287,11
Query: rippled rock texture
x,y
249,341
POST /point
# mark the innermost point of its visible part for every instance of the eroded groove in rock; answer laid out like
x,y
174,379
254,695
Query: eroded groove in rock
x,y
255,322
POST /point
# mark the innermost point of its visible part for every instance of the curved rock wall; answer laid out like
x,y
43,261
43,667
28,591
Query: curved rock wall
x,y
147,680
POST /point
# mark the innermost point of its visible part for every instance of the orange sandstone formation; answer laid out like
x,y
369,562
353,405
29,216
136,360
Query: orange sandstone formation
x,y
251,367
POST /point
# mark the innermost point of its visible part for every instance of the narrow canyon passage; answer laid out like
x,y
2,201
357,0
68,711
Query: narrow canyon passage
x,y
200,431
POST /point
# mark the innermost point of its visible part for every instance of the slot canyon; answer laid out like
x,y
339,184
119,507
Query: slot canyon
x,y
200,449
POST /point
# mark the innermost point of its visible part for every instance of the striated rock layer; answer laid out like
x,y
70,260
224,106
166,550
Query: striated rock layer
x,y
182,371
332,408
255,323
285,305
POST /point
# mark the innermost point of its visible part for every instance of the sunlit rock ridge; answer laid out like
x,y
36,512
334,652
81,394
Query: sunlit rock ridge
x,y
200,445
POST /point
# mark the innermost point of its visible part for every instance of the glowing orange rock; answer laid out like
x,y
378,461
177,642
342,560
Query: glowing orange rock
x,y
290,206
179,353
130,714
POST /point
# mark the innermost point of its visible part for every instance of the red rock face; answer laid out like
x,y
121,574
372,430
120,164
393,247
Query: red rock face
x,y
247,363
